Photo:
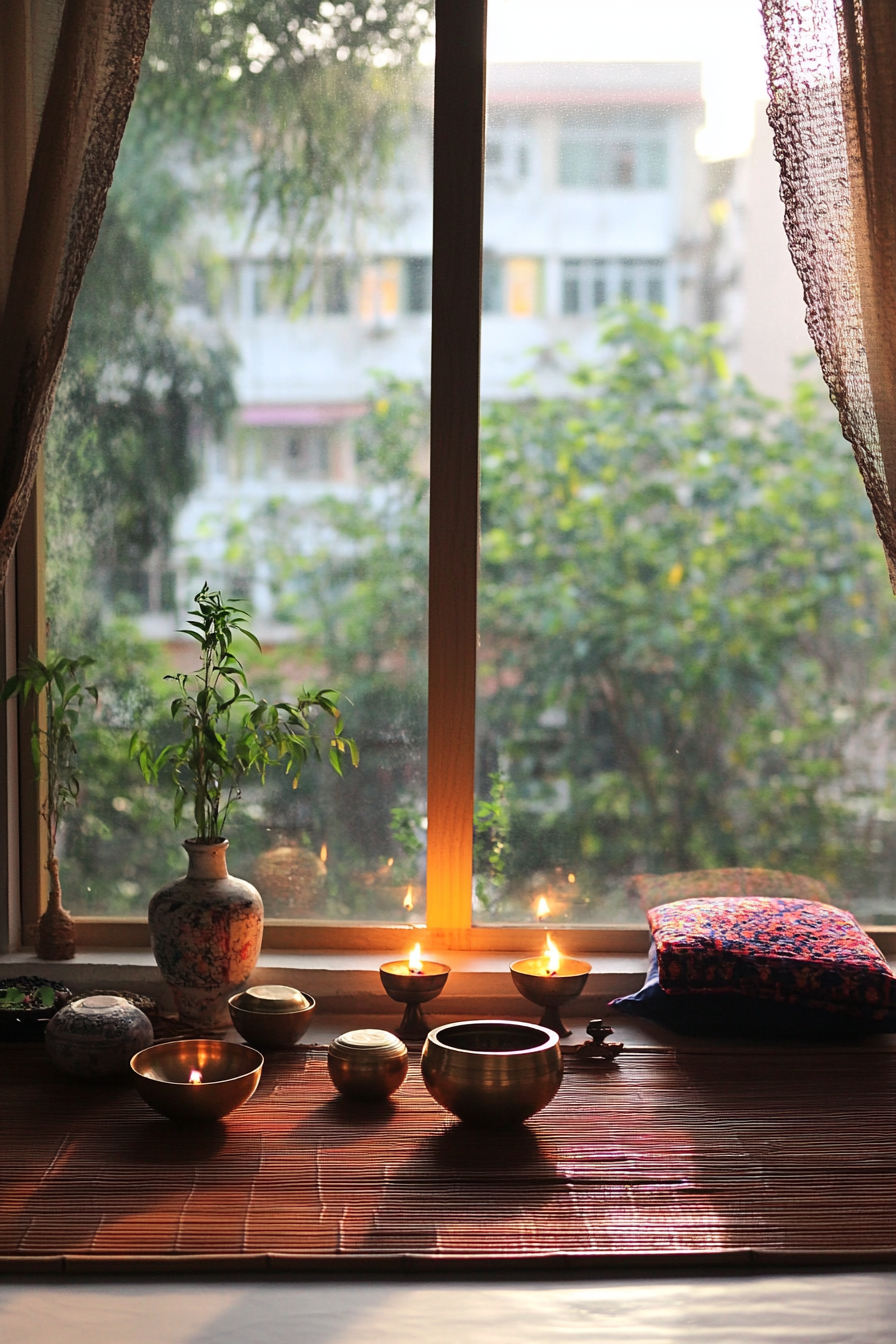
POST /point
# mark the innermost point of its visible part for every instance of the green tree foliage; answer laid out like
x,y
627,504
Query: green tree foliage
x,y
686,640
273,110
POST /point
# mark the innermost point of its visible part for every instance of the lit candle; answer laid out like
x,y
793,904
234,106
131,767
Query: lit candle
x,y
552,957
408,901
415,961
542,909
195,1076
323,853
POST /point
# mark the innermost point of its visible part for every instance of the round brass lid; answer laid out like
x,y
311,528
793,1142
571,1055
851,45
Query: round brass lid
x,y
273,999
367,1043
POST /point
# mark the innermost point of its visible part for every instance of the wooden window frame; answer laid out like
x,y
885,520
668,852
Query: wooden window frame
x,y
458,184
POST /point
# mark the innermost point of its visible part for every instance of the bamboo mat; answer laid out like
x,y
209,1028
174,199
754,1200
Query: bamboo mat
x,y
766,1155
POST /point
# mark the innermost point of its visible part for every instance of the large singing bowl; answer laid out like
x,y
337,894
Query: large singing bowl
x,y
493,1074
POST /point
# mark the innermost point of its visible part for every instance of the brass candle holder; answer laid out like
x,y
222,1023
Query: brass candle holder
x,y
550,981
413,982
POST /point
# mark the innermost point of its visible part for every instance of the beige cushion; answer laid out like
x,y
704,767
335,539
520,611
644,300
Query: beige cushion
x,y
651,889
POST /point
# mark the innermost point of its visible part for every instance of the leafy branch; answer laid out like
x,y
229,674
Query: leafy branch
x,y
228,733
53,746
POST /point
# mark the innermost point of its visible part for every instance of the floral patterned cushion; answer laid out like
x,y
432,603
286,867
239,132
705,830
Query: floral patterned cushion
x,y
790,951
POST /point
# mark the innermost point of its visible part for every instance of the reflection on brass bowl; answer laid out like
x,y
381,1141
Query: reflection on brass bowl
x,y
229,1075
551,991
271,1030
492,1073
413,989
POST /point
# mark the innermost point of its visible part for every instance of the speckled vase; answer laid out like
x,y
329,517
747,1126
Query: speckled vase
x,y
98,1036
206,931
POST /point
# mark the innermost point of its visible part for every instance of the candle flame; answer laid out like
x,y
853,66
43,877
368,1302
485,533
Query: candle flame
x,y
323,853
553,956
415,961
570,877
542,909
195,1076
408,901
389,863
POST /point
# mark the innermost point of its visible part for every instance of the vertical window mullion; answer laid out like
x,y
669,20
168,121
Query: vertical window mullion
x,y
458,153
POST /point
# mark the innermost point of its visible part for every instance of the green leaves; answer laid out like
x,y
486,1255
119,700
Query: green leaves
x,y
227,733
55,692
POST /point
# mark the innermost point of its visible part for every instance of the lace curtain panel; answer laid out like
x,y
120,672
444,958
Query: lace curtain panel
x,y
68,71
832,79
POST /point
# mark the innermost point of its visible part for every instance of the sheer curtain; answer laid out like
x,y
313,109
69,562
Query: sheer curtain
x,y
68,71
832,73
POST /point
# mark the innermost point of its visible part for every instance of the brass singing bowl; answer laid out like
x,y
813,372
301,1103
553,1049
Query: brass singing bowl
x,y
271,1030
492,1073
550,991
367,1065
230,1074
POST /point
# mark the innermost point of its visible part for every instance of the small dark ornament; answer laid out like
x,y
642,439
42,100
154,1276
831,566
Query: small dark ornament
x,y
598,1048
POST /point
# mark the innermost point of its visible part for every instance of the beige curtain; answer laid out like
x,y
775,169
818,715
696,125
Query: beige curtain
x,y
68,71
832,74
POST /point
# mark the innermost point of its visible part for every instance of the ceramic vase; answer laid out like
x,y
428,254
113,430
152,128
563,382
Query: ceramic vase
x,y
205,931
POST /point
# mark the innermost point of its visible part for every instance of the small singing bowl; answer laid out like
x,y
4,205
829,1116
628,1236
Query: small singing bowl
x,y
367,1065
492,1073
230,1074
270,1028
550,992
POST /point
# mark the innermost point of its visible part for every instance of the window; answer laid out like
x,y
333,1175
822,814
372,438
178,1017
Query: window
x,y
492,285
588,284
418,284
599,737
602,161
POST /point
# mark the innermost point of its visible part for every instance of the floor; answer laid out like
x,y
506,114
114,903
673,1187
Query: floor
x,y
857,1307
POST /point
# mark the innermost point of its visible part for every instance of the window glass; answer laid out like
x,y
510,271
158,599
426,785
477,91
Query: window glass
x,y
686,635
243,403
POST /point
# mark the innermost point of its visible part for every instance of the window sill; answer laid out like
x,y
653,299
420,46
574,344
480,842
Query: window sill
x,y
342,981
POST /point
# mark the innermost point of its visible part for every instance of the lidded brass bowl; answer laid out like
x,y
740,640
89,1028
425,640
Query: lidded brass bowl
x,y
492,1073
368,1064
229,1074
271,1017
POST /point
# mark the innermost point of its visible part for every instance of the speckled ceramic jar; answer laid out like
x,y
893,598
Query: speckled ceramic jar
x,y
206,935
98,1036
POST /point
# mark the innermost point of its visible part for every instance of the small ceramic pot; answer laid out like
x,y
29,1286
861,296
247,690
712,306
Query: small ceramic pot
x,y
96,1037
206,931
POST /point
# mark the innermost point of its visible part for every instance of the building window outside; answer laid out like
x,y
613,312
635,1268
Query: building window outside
x,y
492,285
589,283
600,161
417,284
335,287
523,286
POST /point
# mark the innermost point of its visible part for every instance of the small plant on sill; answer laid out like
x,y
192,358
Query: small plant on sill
x,y
56,693
228,734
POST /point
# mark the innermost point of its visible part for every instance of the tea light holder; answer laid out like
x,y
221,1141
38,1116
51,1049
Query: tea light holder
x,y
550,981
414,982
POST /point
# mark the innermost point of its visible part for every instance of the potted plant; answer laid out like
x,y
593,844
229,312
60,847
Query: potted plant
x,y
206,928
55,691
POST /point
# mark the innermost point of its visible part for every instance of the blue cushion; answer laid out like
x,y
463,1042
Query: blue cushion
x,y
719,1013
